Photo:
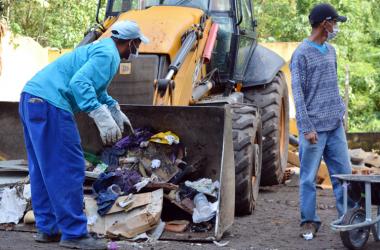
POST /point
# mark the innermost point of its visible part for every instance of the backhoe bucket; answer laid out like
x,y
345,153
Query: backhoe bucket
x,y
205,131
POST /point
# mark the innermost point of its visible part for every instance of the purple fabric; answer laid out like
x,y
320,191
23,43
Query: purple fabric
x,y
132,141
125,179
110,155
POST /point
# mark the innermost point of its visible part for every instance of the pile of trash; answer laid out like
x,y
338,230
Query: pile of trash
x,y
146,185
141,187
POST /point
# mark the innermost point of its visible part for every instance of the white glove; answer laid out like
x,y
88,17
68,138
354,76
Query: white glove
x,y
109,131
120,118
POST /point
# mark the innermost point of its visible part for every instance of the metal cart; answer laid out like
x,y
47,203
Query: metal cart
x,y
356,223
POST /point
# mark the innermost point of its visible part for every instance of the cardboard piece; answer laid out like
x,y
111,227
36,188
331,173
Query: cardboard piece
x,y
127,224
138,200
177,226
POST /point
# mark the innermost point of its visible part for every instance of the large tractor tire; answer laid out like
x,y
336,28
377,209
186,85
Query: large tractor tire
x,y
247,139
273,100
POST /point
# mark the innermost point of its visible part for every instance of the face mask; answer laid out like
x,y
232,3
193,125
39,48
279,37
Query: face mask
x,y
133,52
333,34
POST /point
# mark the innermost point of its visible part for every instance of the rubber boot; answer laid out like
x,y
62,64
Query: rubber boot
x,y
86,242
45,238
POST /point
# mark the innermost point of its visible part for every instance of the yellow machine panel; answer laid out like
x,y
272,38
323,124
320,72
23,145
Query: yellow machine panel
x,y
164,26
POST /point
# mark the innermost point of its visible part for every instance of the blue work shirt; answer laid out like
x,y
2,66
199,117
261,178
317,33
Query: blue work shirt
x,y
78,81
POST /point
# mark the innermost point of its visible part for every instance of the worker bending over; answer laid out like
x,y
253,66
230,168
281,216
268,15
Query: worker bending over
x,y
75,82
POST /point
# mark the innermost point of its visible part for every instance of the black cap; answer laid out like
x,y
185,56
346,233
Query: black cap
x,y
324,11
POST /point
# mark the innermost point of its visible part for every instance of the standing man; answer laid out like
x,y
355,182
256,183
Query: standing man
x,y
319,113
75,82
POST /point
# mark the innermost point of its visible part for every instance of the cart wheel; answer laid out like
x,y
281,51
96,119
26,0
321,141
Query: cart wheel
x,y
356,238
376,228
375,232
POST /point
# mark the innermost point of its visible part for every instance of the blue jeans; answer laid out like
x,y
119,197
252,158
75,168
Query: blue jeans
x,y
56,167
332,146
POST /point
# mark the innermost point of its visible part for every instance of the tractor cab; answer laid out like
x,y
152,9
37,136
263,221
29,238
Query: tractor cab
x,y
236,39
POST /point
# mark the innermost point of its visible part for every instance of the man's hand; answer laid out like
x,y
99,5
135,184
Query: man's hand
x,y
312,137
109,131
120,118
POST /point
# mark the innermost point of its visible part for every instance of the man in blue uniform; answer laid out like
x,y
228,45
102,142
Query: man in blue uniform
x,y
75,82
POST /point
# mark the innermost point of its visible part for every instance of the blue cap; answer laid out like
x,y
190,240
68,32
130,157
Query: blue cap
x,y
128,30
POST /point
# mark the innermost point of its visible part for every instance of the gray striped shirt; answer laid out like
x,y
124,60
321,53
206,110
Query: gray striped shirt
x,y
319,107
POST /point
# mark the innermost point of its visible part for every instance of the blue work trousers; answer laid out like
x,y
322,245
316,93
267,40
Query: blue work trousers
x,y
56,167
332,146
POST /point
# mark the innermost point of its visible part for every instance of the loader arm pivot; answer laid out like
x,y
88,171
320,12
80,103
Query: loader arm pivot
x,y
164,88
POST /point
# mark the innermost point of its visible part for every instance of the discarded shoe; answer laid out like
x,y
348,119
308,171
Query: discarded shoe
x,y
45,238
86,242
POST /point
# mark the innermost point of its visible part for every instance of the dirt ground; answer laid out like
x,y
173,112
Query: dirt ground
x,y
274,225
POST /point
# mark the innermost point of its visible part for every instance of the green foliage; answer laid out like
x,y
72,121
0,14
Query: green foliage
x,y
62,23
358,46
54,23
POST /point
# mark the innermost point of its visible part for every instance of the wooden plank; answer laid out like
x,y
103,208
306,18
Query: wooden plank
x,y
323,173
293,158
293,126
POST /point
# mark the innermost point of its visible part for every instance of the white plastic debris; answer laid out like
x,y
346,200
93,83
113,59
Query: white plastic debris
x,y
127,201
141,237
204,210
27,193
171,139
221,244
91,220
140,185
12,206
308,236
156,232
205,186
144,144
156,163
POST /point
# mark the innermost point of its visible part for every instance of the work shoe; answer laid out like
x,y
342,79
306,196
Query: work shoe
x,y
45,238
86,242
308,230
